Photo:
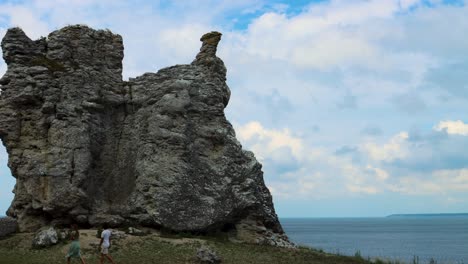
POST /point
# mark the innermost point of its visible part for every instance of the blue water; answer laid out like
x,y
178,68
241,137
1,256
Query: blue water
x,y
445,239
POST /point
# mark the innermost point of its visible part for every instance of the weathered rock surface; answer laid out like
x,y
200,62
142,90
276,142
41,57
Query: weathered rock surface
x,y
136,232
45,238
87,147
116,234
8,226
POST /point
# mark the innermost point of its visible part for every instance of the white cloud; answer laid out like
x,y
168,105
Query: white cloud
x,y
333,49
336,34
439,182
315,174
456,180
25,18
415,186
184,41
379,173
267,141
320,174
310,186
354,12
394,149
304,183
307,41
453,127
363,189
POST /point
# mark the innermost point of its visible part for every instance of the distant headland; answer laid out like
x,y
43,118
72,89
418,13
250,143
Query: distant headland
x,y
429,215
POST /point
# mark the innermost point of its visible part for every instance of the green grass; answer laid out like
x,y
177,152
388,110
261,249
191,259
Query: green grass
x,y
171,250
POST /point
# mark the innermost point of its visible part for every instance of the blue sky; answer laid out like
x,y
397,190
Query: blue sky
x,y
354,107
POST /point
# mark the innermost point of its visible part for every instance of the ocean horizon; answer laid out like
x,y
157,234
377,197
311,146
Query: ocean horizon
x,y
443,239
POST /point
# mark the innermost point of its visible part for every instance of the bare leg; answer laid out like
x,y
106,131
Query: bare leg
x,y
102,258
110,258
68,260
82,260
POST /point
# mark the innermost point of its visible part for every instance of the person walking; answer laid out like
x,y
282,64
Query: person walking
x,y
74,250
106,244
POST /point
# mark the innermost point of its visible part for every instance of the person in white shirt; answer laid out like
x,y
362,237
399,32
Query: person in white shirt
x,y
105,244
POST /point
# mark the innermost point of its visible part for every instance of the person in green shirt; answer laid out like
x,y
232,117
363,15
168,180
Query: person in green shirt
x,y
74,250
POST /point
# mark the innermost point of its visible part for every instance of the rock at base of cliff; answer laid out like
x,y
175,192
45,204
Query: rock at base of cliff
x,y
136,232
8,226
45,238
251,231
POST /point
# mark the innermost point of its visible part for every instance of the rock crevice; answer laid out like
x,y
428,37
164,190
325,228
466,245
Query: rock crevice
x,y
87,147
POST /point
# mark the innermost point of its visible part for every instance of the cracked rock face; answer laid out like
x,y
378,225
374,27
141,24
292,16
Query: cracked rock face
x,y
86,147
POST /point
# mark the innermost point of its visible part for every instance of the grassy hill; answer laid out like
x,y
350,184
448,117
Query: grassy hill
x,y
155,248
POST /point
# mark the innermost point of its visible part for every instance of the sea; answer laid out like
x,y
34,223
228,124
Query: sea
x,y
404,239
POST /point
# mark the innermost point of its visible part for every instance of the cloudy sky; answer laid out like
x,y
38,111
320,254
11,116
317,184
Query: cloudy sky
x,y
354,107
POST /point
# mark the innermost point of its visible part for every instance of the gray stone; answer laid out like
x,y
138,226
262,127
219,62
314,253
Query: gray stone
x,y
8,226
63,235
207,255
136,232
156,151
116,234
252,231
45,238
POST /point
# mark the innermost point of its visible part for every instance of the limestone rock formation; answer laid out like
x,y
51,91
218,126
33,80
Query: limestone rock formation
x,y
157,150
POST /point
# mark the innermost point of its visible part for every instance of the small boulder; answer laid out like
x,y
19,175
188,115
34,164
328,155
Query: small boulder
x,y
136,232
116,234
206,255
45,238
